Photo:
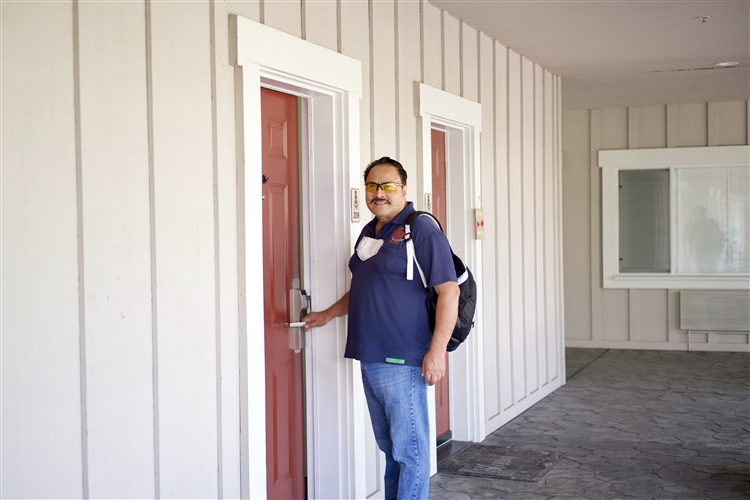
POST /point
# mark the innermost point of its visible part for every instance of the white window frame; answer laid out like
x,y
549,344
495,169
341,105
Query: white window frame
x,y
611,162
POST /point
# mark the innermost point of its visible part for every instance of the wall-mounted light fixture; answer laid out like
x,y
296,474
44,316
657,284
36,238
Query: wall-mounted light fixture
x,y
727,64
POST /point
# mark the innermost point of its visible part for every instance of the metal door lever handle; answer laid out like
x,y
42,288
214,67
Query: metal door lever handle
x,y
298,304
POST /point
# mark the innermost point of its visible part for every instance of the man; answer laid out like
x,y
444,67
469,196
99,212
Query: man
x,y
389,330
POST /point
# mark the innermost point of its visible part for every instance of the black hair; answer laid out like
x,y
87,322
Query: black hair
x,y
387,161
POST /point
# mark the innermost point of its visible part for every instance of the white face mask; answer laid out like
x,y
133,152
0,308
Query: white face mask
x,y
368,247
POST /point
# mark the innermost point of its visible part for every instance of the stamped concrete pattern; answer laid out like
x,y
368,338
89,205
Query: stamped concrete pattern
x,y
632,424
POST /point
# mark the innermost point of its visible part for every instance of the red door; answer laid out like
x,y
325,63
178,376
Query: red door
x,y
281,265
442,397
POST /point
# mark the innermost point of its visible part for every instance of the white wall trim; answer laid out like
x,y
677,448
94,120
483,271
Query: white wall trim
x,y
274,49
675,157
462,120
332,84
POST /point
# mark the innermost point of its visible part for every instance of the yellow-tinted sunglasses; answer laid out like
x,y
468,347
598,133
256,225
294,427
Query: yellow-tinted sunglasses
x,y
387,187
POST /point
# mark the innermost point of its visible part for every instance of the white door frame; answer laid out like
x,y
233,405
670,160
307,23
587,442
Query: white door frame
x,y
462,120
331,83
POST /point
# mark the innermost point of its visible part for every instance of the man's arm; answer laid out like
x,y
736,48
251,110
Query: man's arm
x,y
341,307
446,314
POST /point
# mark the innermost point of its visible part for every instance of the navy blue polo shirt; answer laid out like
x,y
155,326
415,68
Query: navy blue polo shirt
x,y
387,313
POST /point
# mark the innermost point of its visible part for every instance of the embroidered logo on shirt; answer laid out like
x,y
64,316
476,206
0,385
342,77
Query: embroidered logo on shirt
x,y
398,235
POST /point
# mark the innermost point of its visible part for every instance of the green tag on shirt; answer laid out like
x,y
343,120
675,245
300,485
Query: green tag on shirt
x,y
395,361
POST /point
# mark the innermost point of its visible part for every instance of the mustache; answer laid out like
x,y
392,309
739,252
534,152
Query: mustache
x,y
379,199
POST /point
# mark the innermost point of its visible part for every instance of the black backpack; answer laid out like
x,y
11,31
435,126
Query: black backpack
x,y
467,300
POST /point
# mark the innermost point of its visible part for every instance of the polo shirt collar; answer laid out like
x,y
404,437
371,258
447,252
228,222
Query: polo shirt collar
x,y
398,220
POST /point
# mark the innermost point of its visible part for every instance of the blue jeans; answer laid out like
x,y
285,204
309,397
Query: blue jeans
x,y
397,400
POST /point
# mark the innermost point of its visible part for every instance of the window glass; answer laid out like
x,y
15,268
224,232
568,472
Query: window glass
x,y
713,225
644,221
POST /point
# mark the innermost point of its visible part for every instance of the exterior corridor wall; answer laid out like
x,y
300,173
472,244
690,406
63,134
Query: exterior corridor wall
x,y
630,319
120,329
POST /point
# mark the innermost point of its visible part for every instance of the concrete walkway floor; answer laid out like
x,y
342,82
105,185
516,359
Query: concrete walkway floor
x,y
632,424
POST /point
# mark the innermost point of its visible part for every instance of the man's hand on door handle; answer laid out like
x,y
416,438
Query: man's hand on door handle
x,y
316,319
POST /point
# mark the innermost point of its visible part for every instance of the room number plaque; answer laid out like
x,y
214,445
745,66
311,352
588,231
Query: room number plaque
x,y
355,205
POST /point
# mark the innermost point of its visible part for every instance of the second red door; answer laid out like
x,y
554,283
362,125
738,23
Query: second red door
x,y
442,395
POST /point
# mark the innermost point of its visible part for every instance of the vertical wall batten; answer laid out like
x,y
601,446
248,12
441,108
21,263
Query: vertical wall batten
x,y
502,155
339,44
421,42
551,211
515,239
550,195
557,228
152,240
371,60
80,237
442,49
489,199
539,204
462,75
397,82
217,251
595,240
521,261
508,123
560,231
504,341
527,225
303,19
493,403
482,71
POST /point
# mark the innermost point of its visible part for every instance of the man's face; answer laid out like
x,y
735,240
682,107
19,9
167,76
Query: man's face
x,y
385,206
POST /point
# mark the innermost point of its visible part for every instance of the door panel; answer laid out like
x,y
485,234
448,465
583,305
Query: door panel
x,y
438,175
281,265
442,396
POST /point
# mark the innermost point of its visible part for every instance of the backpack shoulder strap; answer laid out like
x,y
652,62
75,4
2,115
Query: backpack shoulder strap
x,y
410,255
417,213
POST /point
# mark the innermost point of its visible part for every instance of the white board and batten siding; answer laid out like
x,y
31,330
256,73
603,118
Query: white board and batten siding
x,y
116,247
41,295
520,187
631,318
121,342
110,332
